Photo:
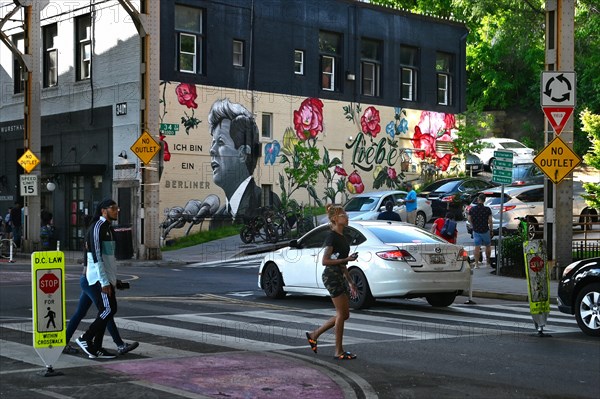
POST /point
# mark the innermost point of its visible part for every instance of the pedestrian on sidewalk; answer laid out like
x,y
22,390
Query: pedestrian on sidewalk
x,y
337,281
101,274
450,233
480,217
389,213
16,223
410,202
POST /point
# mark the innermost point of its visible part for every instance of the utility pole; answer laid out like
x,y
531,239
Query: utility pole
x,y
558,233
30,61
147,22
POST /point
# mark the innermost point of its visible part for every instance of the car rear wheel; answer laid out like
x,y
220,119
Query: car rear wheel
x,y
587,309
441,300
364,298
272,282
247,235
420,220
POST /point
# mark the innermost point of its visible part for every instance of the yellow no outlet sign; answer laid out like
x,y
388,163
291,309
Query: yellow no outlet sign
x,y
557,160
48,304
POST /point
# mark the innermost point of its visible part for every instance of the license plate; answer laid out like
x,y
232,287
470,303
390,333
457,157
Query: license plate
x,y
436,259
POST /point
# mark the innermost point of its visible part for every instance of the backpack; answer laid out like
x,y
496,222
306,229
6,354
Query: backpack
x,y
448,229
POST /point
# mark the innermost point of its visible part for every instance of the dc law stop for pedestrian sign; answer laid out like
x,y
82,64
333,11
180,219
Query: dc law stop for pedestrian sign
x,y
48,301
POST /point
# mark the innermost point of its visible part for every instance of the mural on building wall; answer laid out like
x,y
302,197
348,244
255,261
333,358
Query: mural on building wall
x,y
379,152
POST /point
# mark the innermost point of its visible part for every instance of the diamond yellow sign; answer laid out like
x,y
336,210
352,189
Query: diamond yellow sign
x,y
28,161
557,160
145,147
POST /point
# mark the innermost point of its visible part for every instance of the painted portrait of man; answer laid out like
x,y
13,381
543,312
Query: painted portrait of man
x,y
234,153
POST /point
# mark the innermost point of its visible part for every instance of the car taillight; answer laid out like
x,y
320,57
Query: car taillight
x,y
518,183
468,208
509,208
398,254
448,198
462,255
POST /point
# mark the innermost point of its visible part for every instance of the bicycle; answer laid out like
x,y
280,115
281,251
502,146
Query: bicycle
x,y
260,226
286,221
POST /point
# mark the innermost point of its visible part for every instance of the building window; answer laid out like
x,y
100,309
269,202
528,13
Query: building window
x,y
299,62
370,54
50,34
267,125
189,29
443,68
238,53
330,48
18,69
84,46
409,73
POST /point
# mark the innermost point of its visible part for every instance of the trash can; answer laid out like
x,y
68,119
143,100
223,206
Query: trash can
x,y
123,242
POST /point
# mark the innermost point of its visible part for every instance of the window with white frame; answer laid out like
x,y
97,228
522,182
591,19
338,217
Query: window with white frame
x,y
299,62
409,73
84,47
189,29
267,125
330,49
443,68
18,70
50,35
238,53
370,54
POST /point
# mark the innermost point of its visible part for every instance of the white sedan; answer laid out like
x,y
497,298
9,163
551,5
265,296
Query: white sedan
x,y
395,259
366,206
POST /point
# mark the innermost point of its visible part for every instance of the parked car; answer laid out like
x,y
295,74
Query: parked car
x,y
521,153
395,259
579,294
473,164
453,194
527,173
366,206
528,202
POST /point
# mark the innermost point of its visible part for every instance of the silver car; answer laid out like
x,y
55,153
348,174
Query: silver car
x,y
395,260
366,206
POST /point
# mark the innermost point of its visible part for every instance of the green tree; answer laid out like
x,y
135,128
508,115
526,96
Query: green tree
x,y
591,126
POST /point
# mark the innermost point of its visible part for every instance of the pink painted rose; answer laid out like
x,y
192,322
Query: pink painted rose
x,y
308,120
340,171
392,173
424,143
186,94
355,184
369,122
444,161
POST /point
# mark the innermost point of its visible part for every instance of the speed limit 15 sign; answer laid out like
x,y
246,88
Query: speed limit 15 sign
x,y
29,185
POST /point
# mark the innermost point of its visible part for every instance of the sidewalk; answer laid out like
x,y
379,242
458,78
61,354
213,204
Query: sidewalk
x,y
485,284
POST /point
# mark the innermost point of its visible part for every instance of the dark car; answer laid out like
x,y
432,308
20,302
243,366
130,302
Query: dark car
x,y
473,165
526,174
579,294
453,194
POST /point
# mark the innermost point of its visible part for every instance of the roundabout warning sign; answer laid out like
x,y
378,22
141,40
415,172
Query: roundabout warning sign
x,y
557,160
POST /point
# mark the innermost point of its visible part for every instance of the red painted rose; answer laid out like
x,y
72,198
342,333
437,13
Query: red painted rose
x,y
308,120
340,171
392,173
443,162
369,122
186,94
423,142
355,184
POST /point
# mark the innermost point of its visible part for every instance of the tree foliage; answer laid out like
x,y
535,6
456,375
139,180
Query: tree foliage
x,y
591,126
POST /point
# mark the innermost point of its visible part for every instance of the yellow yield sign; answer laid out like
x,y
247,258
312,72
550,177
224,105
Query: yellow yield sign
x,y
145,147
557,160
28,161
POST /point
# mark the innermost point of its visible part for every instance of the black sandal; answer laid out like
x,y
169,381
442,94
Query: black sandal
x,y
311,342
345,356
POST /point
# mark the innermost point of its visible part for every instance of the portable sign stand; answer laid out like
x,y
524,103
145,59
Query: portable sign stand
x,y
48,305
538,283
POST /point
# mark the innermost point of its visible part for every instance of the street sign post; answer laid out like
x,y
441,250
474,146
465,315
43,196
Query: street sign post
x,y
145,147
557,160
503,165
48,305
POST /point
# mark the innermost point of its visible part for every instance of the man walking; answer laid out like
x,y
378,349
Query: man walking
x,y
102,272
16,225
480,217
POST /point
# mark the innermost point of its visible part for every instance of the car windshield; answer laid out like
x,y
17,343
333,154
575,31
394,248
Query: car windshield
x,y
361,204
395,234
520,171
447,187
512,144
435,186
